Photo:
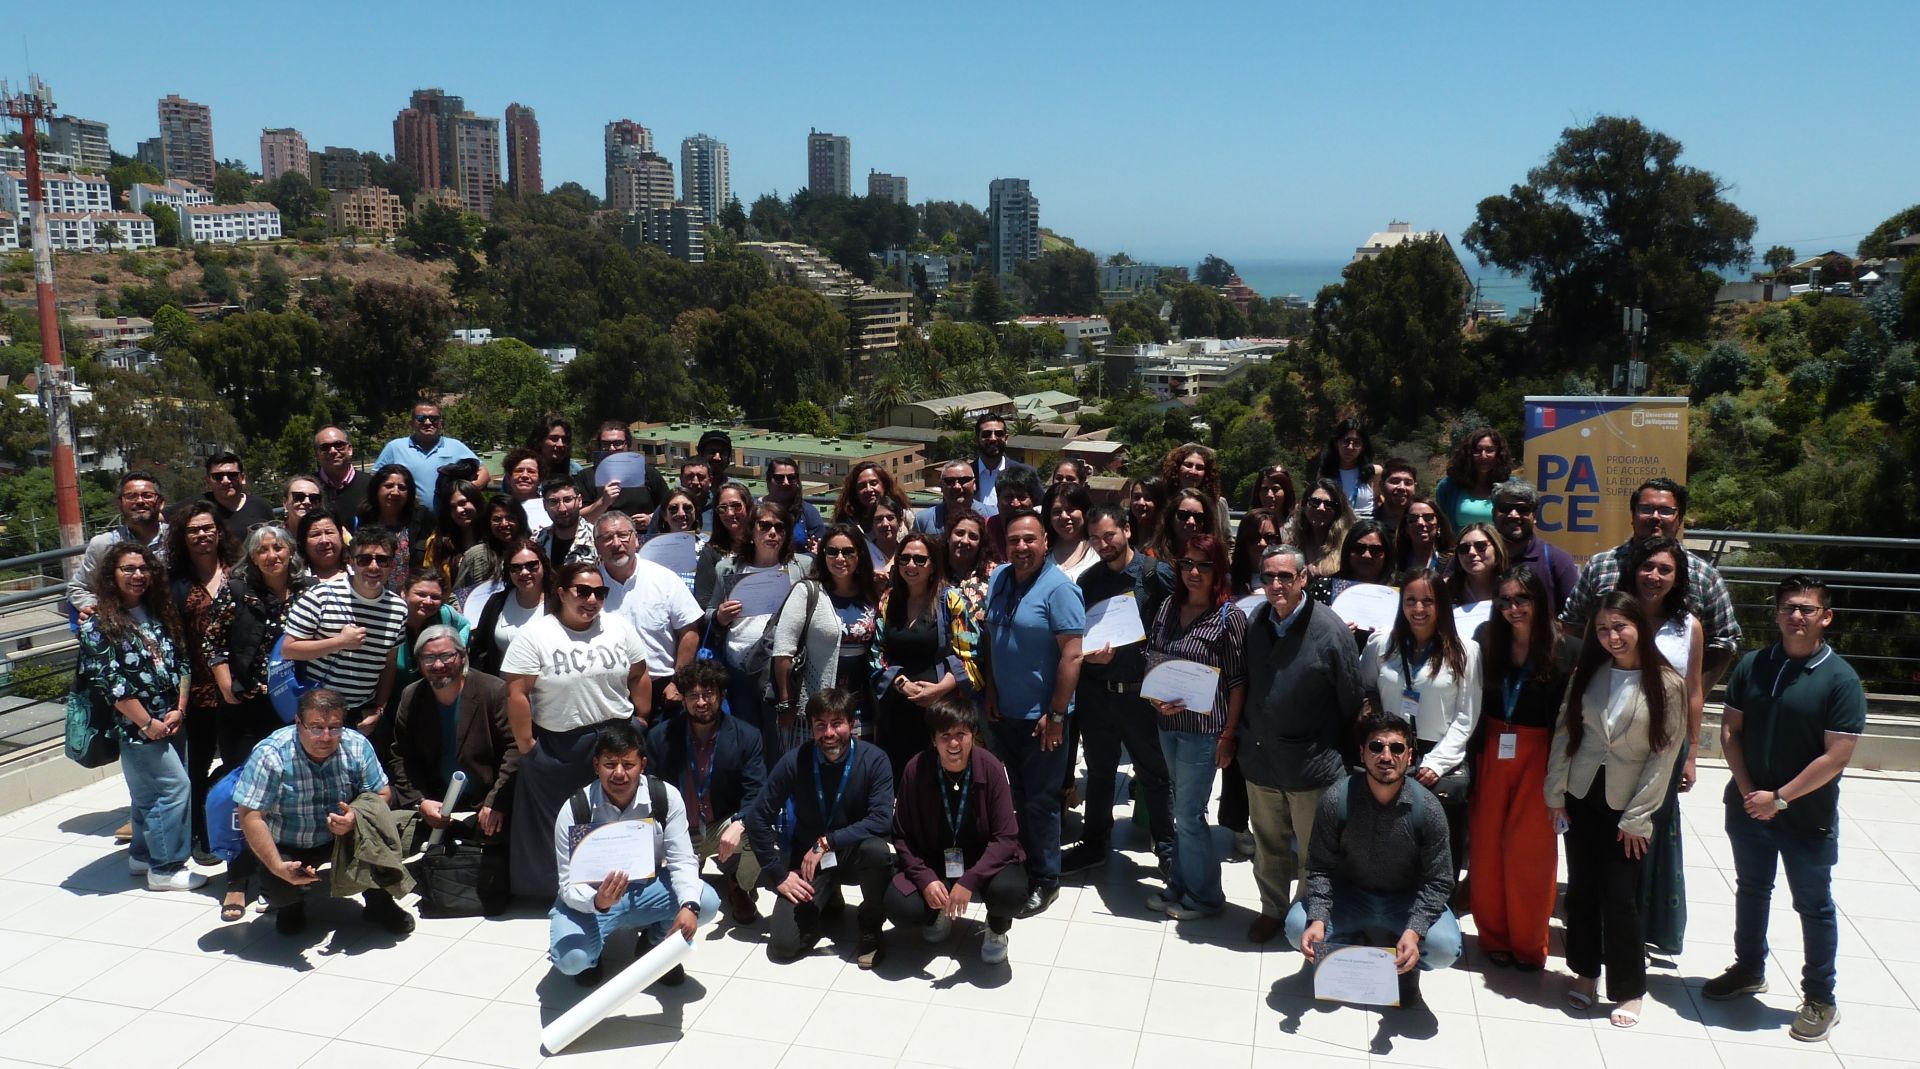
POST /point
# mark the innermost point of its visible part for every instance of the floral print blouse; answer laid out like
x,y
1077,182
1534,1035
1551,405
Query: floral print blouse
x,y
148,666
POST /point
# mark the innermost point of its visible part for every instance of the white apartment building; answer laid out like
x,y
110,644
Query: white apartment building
x,y
224,224
9,233
63,192
1086,335
175,193
14,158
86,231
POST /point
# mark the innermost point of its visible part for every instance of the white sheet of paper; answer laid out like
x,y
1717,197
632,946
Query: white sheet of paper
x,y
1361,975
877,555
761,593
1113,622
537,518
677,552
1176,680
1468,618
1251,602
629,469
1368,606
625,846
476,598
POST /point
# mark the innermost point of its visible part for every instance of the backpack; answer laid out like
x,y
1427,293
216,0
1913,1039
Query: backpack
x,y
224,837
286,682
90,738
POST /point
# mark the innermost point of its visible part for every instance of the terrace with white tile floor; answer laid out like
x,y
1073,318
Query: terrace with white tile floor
x,y
96,971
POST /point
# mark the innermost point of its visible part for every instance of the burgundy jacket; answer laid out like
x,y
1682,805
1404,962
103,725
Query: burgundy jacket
x,y
989,840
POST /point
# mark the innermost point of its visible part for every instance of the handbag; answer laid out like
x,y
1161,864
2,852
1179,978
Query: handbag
x,y
464,879
91,741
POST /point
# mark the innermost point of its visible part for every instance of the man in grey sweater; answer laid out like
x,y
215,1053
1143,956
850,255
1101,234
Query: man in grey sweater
x,y
1379,866
1303,698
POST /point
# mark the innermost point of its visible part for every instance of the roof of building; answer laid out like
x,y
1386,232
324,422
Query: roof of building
x,y
1094,445
111,321
1910,241
1048,398
104,216
769,441
1061,319
61,176
964,401
242,208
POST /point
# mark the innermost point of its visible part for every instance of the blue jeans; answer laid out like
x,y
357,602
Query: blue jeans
x,y
1759,848
156,774
1355,912
1035,776
1194,877
575,938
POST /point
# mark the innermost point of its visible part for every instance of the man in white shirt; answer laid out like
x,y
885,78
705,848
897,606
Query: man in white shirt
x,y
654,600
672,900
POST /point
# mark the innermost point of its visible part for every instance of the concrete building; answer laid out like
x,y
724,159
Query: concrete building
x,y
148,152
829,165
87,456
705,179
937,268
86,231
886,186
281,150
1013,224
679,230
1128,278
423,137
879,316
14,158
624,142
1086,335
369,210
476,161
821,460
113,330
337,168
927,414
1398,233
9,236
643,180
173,193
225,224
186,140
85,140
61,191
523,151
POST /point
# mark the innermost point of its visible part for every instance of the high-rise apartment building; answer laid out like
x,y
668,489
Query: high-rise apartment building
x,y
704,181
186,140
523,151
626,141
886,186
150,153
423,137
679,230
645,180
829,165
476,161
83,139
1013,224
283,150
337,168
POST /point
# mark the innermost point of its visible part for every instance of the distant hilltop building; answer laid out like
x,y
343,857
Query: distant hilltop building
x,y
886,186
1397,234
1238,293
83,139
282,150
1128,278
704,179
637,177
337,168
879,316
523,151
445,146
829,164
1013,224
186,140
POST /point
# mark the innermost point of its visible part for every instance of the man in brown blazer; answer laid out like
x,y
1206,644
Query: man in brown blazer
x,y
452,721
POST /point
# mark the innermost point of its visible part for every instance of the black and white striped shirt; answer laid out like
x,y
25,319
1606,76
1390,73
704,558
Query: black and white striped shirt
x,y
324,611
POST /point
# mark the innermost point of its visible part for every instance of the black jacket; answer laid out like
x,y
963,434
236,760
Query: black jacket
x,y
739,772
1303,698
865,810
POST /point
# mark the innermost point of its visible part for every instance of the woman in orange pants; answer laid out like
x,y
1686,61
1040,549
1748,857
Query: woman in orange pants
x,y
1513,845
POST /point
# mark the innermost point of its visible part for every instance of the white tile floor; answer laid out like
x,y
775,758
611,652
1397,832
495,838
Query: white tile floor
x,y
99,972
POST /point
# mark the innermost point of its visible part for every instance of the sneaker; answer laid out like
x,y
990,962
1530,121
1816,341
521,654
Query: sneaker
x,y
993,949
382,910
1081,857
1161,901
1181,911
1243,843
871,950
1814,1021
137,868
938,931
1733,983
290,920
177,880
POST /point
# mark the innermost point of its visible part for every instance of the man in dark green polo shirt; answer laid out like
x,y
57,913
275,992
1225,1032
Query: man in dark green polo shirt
x,y
1792,715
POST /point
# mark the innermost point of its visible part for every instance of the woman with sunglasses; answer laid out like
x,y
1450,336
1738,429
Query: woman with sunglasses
x,y
1065,507
1348,461
1481,462
523,478
1320,527
1259,529
303,496
1199,623
1657,572
680,514
914,663
513,608
1195,467
1190,514
248,617
321,546
834,643
197,543
1363,559
1146,499
1515,856
556,715
1421,670
1607,771
732,529
393,503
459,526
1425,537
1473,575
1274,492
131,660
744,644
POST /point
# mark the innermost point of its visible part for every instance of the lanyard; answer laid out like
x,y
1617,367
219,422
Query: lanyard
x,y
1412,667
1511,686
700,782
956,816
839,790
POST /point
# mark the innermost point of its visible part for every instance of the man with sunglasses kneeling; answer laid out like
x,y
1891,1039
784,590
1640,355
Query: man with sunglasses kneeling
x,y
1378,865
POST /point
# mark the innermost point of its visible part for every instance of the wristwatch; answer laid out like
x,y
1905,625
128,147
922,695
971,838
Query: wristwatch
x,y
1779,803
694,906
1056,716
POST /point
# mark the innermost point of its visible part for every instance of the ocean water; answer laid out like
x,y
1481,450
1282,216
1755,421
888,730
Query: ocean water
x,y
1305,277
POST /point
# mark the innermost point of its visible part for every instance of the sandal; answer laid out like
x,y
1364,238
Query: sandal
x,y
232,910
1621,1017
1579,999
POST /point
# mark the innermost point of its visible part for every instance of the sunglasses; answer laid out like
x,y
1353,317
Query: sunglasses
x,y
1190,516
369,560
1513,508
964,480
770,525
1271,578
1515,600
1367,550
915,559
612,443
844,551
524,568
331,445
223,476
1478,549
583,590
1186,565
1375,746
423,420
296,495
1320,503
680,510
783,480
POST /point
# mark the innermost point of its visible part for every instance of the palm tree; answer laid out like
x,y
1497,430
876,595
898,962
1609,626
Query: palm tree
x,y
954,419
1025,423
887,389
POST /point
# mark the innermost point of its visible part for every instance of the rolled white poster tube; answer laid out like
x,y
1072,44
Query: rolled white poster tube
x,y
454,787
617,989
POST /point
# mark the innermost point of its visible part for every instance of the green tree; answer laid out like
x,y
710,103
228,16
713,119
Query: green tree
x,y
261,365
1393,326
166,225
296,198
125,172
1893,228
231,185
218,283
1779,257
173,329
806,417
1613,220
504,387
1063,282
987,305
381,342
1213,271
272,287
631,370
733,219
438,232
161,420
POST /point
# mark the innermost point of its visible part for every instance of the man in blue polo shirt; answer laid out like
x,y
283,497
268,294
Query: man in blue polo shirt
x,y
1793,713
426,451
1035,617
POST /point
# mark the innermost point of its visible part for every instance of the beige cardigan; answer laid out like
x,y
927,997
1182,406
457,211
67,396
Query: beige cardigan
x,y
1637,774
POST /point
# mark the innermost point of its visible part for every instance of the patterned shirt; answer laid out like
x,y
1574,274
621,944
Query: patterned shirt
x,y
295,795
1707,596
967,605
1217,639
146,666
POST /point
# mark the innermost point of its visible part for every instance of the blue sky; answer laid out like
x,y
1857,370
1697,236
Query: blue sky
x,y
1258,131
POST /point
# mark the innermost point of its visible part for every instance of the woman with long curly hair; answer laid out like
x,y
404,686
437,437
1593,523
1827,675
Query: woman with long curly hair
x,y
1195,467
1480,462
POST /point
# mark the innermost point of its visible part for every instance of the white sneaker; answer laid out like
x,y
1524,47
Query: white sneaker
x,y
137,868
1160,902
1243,843
177,880
993,949
938,931
1182,912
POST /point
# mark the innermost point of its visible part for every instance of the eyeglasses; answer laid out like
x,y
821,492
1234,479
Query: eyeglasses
x,y
1351,441
432,659
680,510
424,420
1190,516
524,567
1665,512
1791,610
612,443
368,560
1512,508
1369,549
783,480
1477,549
769,525
1515,601
331,445
324,731
915,559
223,476
1270,578
296,495
584,590
840,551
135,569
990,434
1375,746
1425,519
1320,504
1186,565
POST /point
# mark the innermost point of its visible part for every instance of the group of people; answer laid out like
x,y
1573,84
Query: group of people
x,y
895,698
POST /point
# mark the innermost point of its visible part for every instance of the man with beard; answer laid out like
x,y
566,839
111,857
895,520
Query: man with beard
x,y
1379,863
566,539
990,445
654,600
141,509
452,720
716,762
1514,503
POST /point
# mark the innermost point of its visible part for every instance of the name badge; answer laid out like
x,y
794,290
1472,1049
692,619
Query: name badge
x,y
828,860
956,864
1508,742
1410,707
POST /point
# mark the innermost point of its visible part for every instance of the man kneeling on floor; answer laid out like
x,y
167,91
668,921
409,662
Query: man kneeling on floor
x,y
842,813
1379,865
314,792
715,761
672,902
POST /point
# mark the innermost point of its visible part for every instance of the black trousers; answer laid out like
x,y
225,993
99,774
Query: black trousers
x,y
1004,895
281,893
868,866
202,730
1233,796
1107,720
1604,926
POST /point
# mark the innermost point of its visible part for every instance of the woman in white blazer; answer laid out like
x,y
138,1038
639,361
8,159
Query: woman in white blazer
x,y
1606,777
